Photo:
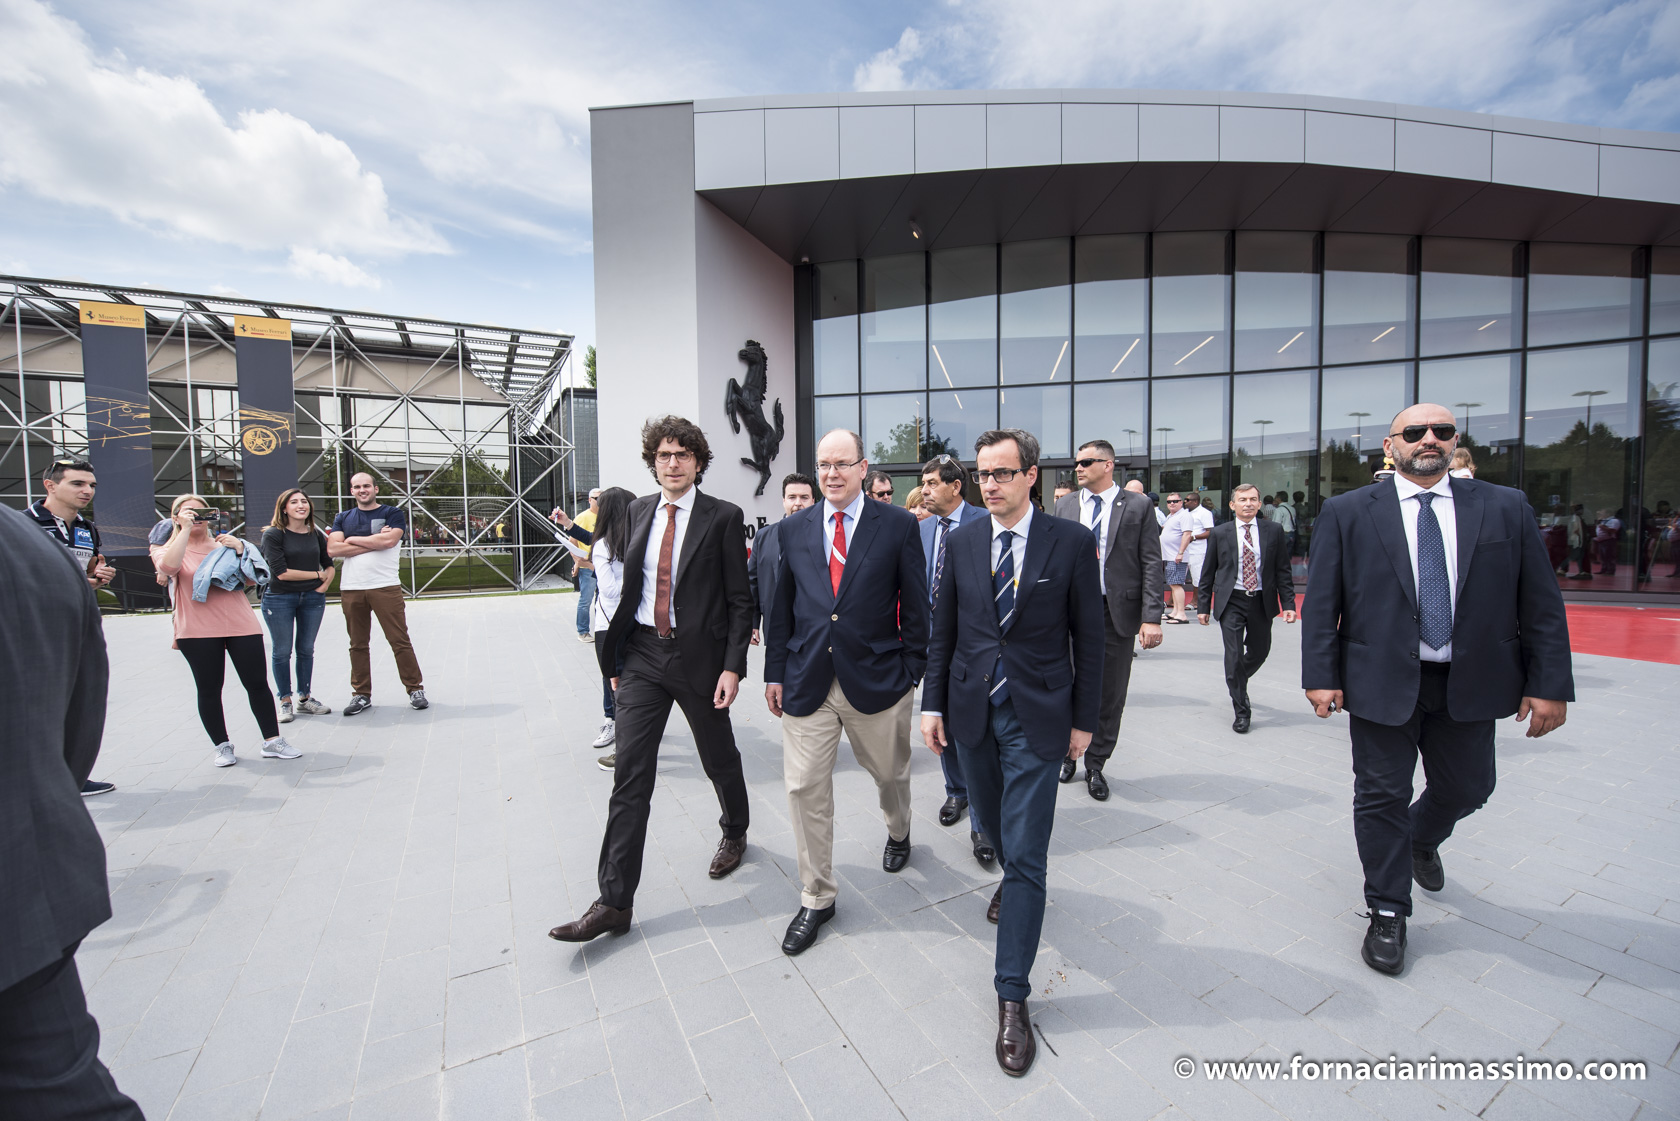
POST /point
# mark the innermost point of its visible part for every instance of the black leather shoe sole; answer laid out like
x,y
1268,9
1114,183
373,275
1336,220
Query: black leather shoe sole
x,y
951,812
1097,785
1428,871
802,931
896,855
1067,771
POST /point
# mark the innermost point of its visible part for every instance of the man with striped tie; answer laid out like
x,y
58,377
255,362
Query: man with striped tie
x,y
1246,583
1014,685
844,646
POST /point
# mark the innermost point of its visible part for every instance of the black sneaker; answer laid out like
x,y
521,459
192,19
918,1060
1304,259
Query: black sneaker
x,y
90,788
358,704
1385,942
1427,869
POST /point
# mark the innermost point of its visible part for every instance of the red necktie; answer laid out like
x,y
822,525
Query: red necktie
x,y
662,587
1250,577
837,555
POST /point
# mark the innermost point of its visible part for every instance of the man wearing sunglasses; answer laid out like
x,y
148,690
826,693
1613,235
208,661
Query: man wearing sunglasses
x,y
1431,612
1129,567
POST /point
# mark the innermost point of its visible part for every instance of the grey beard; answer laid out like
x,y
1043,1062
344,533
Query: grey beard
x,y
1427,469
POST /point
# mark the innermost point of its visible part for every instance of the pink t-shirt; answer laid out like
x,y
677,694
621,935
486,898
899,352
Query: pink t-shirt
x,y
223,614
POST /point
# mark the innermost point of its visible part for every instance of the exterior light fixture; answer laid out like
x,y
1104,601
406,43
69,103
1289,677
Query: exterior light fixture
x,y
916,230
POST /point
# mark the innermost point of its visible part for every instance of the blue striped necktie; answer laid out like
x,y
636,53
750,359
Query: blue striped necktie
x,y
1434,592
1003,591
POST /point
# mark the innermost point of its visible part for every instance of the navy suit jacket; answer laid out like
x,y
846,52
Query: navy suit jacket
x,y
872,637
1359,633
761,570
1052,651
930,533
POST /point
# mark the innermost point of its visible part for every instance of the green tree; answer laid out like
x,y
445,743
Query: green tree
x,y
487,490
589,365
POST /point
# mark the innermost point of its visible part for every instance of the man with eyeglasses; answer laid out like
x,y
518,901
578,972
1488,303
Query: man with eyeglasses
x,y
1432,612
684,621
942,493
798,492
844,647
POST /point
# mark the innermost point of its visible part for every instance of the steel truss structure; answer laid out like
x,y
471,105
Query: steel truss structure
x,y
459,422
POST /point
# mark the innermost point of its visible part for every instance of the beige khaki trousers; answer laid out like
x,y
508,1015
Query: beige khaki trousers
x,y
810,745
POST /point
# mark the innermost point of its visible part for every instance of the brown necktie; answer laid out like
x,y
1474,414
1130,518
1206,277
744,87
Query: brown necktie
x,y
662,587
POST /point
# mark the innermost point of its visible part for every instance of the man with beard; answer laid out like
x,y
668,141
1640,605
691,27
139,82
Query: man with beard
x,y
1433,611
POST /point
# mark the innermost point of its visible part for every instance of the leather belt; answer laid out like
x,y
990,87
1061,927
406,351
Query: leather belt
x,y
654,632
1245,592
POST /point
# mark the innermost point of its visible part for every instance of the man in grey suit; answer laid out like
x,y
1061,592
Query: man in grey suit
x,y
52,861
798,492
1129,558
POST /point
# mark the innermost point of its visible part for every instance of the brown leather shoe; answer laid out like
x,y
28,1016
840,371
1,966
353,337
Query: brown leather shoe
x,y
997,901
598,920
728,857
1016,1048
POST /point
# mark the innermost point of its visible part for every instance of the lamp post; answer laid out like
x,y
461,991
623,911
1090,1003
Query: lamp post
x,y
1359,431
1262,424
1589,394
1467,406
1131,444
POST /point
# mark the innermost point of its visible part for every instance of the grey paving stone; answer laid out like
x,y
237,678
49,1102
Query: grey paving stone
x,y
496,1086
317,1067
835,1085
596,1096
647,1045
483,1015
399,1059
741,1073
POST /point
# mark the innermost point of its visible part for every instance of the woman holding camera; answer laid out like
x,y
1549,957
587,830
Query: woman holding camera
x,y
218,628
296,597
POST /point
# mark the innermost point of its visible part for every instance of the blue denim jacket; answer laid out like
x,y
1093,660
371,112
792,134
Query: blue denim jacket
x,y
224,568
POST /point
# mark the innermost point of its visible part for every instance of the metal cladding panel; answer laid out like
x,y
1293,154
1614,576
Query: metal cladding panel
x,y
847,220
783,214
1506,212
801,145
1346,140
1023,135
1648,174
1314,197
950,138
1143,199
1262,135
927,200
1445,150
1099,133
994,204
1069,197
728,149
1226,196
1178,133
1544,163
877,140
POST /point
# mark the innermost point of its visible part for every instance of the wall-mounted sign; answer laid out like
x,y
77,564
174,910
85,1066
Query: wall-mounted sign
x,y
267,412
119,423
743,403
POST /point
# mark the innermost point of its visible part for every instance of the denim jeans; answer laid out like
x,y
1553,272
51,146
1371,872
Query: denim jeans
x,y
1011,784
285,613
586,599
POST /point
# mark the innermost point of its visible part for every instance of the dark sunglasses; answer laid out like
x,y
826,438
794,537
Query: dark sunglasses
x,y
1412,433
1088,462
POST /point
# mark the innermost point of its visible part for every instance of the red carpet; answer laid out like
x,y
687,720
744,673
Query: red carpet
x,y
1646,634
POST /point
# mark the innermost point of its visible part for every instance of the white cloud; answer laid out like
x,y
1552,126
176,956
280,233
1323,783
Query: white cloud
x,y
152,150
312,264
885,70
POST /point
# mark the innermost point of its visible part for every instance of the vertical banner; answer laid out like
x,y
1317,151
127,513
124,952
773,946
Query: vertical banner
x,y
263,355
119,424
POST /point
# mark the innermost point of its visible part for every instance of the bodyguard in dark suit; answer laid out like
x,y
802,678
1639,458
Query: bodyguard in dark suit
x,y
52,861
1247,579
1014,685
1432,611
1129,553
846,643
684,623
798,492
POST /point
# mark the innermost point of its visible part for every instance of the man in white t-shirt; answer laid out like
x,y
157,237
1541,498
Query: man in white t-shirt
x,y
367,537
1176,536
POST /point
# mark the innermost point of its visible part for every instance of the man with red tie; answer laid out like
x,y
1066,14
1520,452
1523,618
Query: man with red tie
x,y
684,622
845,644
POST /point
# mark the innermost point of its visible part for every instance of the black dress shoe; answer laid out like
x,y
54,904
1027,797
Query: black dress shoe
x,y
1385,942
1240,724
983,851
1095,782
802,931
596,921
897,854
1016,1048
1067,771
992,908
1427,870
951,812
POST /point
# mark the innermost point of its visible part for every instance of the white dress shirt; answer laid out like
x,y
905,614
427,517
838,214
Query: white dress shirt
x,y
1446,516
1254,533
650,559
1017,553
830,510
1099,525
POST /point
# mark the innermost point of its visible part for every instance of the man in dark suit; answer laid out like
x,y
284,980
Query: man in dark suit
x,y
52,861
1014,685
798,493
942,493
684,622
1247,581
1129,559
1432,612
845,645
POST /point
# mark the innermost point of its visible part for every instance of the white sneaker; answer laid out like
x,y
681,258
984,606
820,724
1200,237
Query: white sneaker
x,y
286,715
309,706
608,734
224,755
278,748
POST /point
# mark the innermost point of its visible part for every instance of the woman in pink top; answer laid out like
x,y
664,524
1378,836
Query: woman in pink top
x,y
223,624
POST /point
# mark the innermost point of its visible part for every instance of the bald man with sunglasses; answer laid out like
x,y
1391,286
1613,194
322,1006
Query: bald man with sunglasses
x,y
1431,612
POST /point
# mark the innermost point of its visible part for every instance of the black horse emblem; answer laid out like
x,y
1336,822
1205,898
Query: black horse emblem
x,y
745,404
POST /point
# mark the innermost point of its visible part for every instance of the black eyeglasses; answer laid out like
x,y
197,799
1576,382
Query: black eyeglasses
x,y
1002,474
1088,462
1412,433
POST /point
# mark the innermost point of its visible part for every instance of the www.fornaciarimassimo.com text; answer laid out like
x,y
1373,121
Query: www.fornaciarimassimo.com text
x,y
1432,1069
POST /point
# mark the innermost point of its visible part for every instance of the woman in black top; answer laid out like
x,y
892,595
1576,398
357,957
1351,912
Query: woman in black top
x,y
295,600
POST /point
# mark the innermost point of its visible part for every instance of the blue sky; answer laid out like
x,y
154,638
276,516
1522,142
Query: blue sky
x,y
432,159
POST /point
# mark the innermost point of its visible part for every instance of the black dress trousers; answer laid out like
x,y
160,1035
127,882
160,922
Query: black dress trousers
x,y
1118,652
49,1052
1247,631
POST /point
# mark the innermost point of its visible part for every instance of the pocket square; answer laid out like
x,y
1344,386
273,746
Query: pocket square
x,y
1046,580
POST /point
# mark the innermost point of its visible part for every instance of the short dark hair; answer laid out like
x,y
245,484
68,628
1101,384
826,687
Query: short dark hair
x,y
949,469
1101,445
56,469
796,478
684,433
1300,495
874,477
1024,440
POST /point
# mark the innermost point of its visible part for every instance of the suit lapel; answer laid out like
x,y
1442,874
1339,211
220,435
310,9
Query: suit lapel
x,y
699,518
1039,548
979,555
639,531
868,522
1384,512
1115,513
1467,514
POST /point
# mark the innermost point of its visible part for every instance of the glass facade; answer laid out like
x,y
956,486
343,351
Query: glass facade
x,y
1279,358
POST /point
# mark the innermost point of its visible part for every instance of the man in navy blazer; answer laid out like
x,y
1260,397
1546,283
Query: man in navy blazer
x,y
845,645
798,492
1014,685
942,494
1431,611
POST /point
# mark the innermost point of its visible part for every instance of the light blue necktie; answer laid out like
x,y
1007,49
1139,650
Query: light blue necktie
x,y
1003,591
1434,591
